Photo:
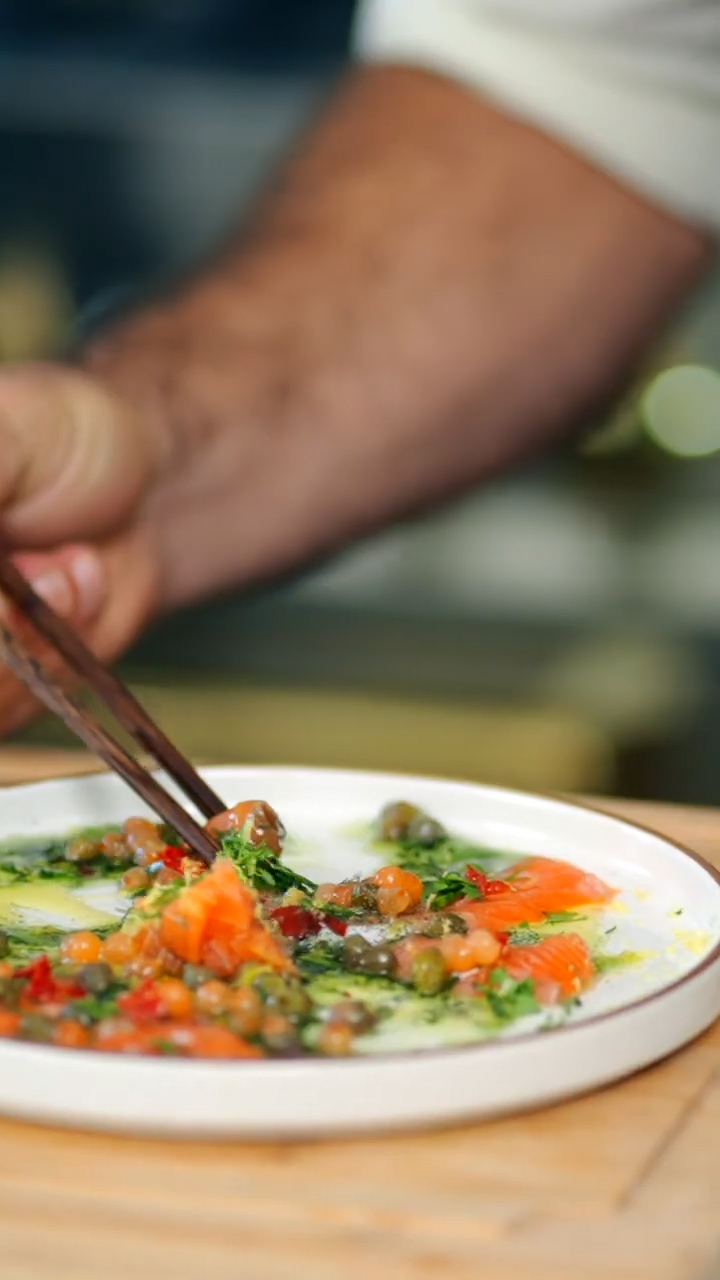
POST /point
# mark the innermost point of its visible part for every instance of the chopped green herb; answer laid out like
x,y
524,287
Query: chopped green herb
x,y
509,999
95,1008
447,889
524,936
449,855
166,1048
262,868
321,957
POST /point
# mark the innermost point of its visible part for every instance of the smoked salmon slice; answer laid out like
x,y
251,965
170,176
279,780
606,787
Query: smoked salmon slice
x,y
536,887
563,961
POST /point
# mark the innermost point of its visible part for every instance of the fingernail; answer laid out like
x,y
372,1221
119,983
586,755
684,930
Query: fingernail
x,y
55,589
88,574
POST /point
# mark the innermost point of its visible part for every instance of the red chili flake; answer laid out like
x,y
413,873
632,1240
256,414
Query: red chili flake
x,y
503,938
172,857
338,926
296,922
144,1004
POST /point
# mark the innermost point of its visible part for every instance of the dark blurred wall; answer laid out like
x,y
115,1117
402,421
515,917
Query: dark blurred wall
x,y
98,98
246,33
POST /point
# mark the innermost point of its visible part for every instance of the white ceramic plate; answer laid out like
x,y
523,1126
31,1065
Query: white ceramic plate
x,y
668,909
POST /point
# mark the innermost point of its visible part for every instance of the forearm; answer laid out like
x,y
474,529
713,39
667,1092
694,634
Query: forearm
x,y
431,291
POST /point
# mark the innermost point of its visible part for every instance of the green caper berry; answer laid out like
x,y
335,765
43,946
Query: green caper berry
x,y
297,1004
291,1000
455,924
364,896
271,986
435,927
10,991
379,961
395,819
35,1027
429,972
424,831
194,975
355,947
442,924
95,978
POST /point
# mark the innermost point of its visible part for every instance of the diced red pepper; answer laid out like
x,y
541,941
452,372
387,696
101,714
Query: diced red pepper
x,y
336,925
489,888
144,1004
172,857
296,922
42,985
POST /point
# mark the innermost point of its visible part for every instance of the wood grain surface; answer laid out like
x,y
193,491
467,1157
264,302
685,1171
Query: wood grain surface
x,y
622,1184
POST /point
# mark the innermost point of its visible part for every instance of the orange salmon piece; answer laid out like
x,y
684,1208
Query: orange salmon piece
x,y
214,921
538,887
563,961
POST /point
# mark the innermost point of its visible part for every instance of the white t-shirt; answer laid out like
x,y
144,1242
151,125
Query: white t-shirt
x,y
633,84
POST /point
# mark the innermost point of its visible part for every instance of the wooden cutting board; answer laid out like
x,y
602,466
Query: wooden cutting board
x,y
621,1185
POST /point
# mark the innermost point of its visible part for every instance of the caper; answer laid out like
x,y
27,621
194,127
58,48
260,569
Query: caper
x,y
355,942
424,831
279,1033
429,972
353,1014
443,923
4,944
379,961
195,975
10,991
35,1027
355,947
364,896
434,927
290,999
271,986
82,850
95,978
395,820
455,924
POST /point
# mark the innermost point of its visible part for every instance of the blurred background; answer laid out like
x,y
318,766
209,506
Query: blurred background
x,y
558,630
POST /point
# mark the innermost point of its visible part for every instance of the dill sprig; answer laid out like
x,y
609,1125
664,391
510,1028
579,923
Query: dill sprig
x,y
261,868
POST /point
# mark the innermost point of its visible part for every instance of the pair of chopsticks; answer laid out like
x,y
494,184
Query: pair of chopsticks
x,y
118,699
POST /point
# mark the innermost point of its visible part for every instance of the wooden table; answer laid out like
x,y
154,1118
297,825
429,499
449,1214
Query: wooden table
x,y
623,1184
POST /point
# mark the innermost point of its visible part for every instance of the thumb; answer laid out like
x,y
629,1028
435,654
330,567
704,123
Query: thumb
x,y
74,462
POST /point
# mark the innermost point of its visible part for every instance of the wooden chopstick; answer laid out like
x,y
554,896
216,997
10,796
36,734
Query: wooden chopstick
x,y
83,723
123,704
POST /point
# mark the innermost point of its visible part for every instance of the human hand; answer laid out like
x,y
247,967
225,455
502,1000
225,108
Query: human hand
x,y
75,470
